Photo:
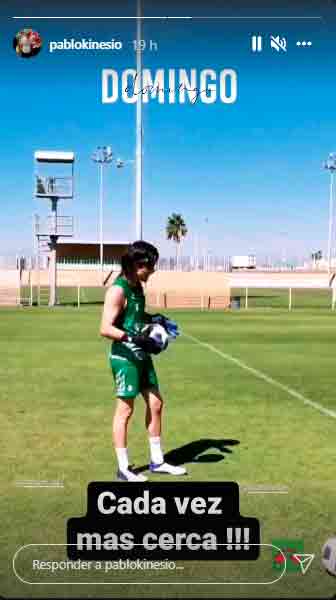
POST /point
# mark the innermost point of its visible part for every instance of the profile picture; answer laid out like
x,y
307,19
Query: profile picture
x,y
27,43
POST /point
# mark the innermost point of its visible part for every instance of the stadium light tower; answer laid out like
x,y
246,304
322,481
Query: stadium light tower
x,y
50,186
103,156
283,235
139,129
330,165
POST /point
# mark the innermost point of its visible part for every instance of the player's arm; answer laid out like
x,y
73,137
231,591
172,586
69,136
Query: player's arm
x,y
113,306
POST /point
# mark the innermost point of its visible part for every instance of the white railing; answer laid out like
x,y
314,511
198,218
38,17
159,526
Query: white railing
x,y
50,187
61,225
64,227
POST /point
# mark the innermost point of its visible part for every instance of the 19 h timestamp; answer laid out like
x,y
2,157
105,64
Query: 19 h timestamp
x,y
143,45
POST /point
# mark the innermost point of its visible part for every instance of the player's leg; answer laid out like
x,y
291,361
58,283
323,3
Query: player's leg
x,y
127,384
154,408
122,414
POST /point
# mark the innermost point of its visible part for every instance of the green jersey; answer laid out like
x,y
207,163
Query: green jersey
x,y
132,320
132,368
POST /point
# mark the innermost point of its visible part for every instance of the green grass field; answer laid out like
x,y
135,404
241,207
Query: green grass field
x,y
228,422
279,298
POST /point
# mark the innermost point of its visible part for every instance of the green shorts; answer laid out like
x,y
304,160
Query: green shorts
x,y
132,377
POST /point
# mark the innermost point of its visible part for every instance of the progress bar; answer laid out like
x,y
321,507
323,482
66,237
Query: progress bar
x,y
188,18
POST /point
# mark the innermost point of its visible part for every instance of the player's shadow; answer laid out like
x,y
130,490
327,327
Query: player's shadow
x,y
198,452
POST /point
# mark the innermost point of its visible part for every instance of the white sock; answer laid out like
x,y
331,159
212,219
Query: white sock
x,y
155,450
122,457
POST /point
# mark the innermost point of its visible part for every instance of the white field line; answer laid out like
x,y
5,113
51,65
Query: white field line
x,y
39,485
35,483
260,375
265,492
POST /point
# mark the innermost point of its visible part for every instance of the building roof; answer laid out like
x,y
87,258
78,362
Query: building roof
x,y
94,242
53,156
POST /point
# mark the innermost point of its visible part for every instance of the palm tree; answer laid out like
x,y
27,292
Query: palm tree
x,y
176,230
316,256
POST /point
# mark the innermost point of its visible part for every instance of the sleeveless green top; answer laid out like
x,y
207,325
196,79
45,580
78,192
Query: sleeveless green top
x,y
132,320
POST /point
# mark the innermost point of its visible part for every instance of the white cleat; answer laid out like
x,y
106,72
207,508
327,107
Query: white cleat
x,y
167,468
129,475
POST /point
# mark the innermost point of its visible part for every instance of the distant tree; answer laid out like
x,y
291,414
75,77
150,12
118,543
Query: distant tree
x,y
316,256
176,230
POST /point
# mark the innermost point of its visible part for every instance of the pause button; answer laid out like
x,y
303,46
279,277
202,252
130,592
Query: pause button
x,y
256,43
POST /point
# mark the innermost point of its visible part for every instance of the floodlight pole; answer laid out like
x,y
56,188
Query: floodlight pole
x,y
330,165
331,215
139,132
197,253
101,200
283,235
103,155
52,255
206,244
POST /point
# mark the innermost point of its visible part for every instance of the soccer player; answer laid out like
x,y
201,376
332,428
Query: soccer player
x,y
123,320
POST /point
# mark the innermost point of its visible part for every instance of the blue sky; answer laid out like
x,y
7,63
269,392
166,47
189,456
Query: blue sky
x,y
247,177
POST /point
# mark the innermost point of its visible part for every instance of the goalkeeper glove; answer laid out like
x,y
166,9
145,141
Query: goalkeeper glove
x,y
144,342
170,326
